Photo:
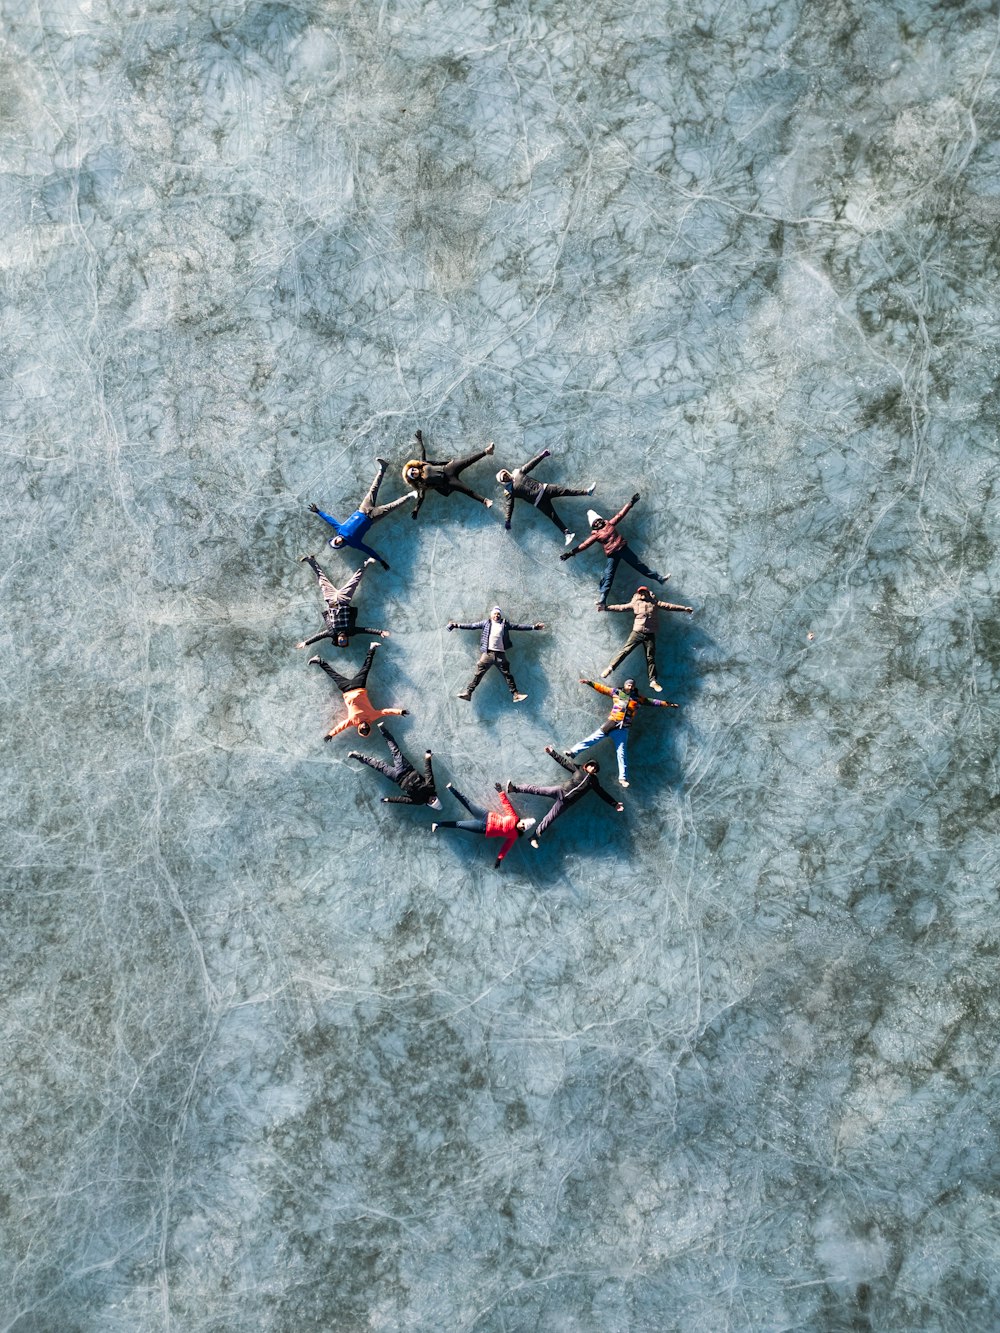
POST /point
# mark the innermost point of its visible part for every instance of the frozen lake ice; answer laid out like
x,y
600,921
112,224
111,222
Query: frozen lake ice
x,y
274,1056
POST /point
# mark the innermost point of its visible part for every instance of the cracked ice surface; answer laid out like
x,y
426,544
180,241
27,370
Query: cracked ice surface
x,y
276,1057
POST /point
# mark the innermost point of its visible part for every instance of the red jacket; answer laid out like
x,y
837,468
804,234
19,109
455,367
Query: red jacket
x,y
503,826
609,537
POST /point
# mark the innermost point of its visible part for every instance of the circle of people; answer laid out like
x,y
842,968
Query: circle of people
x,y
340,616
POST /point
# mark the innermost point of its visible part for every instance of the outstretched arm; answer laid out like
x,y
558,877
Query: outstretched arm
x,y
561,759
580,546
372,555
364,629
420,441
538,625
624,509
606,796
526,467
428,771
666,606
397,800
335,731
327,519
656,703
461,624
316,638
596,685
508,506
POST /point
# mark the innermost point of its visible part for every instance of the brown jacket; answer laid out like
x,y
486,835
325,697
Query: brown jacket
x,y
645,612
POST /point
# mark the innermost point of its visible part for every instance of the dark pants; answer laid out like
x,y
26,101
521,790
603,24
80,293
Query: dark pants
x,y
554,793
400,766
475,825
545,506
611,568
637,637
356,682
487,660
444,478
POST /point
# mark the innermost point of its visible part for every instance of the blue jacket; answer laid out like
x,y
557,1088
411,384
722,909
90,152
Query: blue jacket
x,y
484,638
352,530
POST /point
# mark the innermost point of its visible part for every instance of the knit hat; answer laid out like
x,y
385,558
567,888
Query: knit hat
x,y
495,608
593,516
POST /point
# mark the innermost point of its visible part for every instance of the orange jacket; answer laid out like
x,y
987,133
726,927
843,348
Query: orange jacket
x,y
359,709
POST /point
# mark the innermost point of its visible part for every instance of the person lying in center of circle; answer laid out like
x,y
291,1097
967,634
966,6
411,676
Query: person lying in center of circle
x,y
360,712
442,475
494,641
509,825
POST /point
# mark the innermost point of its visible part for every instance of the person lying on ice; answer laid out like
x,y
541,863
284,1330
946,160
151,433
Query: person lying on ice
x,y
340,615
351,531
517,485
605,531
494,640
624,703
360,712
509,825
417,788
582,779
644,607
443,475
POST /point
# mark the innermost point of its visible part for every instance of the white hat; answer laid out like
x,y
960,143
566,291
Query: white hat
x,y
591,515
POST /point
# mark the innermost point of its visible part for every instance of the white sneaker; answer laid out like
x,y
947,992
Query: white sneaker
x,y
519,698
570,538
623,782
655,685
592,488
534,843
434,828
488,504
605,673
376,644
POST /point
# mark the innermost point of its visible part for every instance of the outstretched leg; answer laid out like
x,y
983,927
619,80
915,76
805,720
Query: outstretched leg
x,y
607,578
366,666
466,825
475,810
343,683
482,666
456,485
547,820
368,503
630,645
588,741
649,643
456,465
503,666
546,507
398,758
620,738
379,765
380,511
630,558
